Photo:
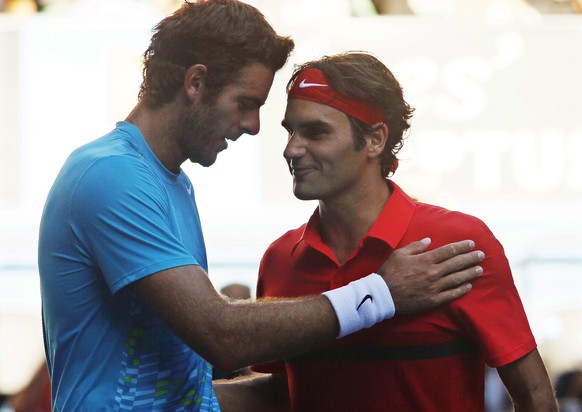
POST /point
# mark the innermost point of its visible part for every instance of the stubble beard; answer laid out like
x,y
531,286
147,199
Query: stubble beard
x,y
302,192
197,129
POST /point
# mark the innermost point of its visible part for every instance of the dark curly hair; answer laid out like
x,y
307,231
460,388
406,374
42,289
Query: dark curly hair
x,y
224,35
361,76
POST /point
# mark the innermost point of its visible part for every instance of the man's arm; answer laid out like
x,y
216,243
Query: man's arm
x,y
528,384
231,335
257,392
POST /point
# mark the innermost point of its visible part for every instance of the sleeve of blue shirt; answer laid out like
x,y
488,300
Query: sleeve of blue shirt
x,y
121,216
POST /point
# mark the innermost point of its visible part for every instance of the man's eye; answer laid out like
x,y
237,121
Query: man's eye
x,y
315,133
246,105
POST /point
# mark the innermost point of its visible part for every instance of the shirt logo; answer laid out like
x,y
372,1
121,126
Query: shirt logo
x,y
364,300
303,85
189,189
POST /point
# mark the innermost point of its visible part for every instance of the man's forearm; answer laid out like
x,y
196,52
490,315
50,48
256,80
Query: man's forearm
x,y
231,335
257,393
529,385
540,399
537,403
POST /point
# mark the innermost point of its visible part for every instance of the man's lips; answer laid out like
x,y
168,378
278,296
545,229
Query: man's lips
x,y
223,146
299,171
225,140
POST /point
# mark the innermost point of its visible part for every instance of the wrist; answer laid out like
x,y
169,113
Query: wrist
x,y
361,304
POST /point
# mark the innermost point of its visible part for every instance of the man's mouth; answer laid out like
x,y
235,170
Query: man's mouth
x,y
300,171
223,146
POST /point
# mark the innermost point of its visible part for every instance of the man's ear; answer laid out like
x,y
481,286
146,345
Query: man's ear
x,y
377,139
194,80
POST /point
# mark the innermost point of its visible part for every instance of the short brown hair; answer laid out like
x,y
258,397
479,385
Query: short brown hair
x,y
361,76
224,35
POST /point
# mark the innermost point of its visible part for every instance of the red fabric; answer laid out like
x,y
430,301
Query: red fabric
x,y
311,85
36,396
399,365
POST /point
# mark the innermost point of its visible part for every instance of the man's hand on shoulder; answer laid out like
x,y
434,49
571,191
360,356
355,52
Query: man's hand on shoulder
x,y
421,280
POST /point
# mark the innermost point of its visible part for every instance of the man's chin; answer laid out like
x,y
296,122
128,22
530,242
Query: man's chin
x,y
302,195
207,162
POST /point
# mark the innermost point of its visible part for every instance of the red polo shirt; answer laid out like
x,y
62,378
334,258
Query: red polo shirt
x,y
429,362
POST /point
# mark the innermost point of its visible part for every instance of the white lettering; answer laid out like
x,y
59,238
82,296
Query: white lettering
x,y
499,161
463,79
488,147
538,160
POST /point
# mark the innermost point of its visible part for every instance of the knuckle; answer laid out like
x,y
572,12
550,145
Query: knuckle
x,y
458,262
396,253
433,274
468,259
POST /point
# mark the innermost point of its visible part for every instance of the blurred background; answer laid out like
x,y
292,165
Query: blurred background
x,y
497,133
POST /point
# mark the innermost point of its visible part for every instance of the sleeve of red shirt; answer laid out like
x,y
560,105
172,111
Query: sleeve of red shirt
x,y
493,312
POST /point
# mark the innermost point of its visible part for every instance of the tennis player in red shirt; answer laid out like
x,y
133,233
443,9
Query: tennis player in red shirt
x,y
345,119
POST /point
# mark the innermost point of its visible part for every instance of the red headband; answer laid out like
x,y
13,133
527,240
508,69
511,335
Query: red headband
x,y
311,85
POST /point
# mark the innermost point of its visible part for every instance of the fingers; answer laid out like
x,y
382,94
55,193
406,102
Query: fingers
x,y
458,279
451,250
451,271
451,294
419,286
421,280
457,284
415,248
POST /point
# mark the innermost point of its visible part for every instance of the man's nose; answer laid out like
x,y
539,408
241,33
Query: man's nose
x,y
251,123
295,148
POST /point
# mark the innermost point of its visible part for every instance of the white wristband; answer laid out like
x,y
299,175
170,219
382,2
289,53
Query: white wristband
x,y
361,303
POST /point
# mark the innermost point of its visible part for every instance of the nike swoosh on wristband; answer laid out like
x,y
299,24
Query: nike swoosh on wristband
x,y
303,85
365,299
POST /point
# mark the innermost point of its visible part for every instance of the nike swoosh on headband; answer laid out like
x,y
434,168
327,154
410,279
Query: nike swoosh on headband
x,y
303,85
311,84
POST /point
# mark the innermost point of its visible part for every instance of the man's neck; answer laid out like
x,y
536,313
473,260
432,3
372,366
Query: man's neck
x,y
157,127
343,223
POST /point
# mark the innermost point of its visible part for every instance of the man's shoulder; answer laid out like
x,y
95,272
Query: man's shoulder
x,y
448,225
110,158
440,215
111,175
114,143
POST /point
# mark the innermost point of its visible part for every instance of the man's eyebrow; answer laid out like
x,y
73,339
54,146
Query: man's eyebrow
x,y
254,100
307,123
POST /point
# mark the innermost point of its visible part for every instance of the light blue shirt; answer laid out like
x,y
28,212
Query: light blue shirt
x,y
114,215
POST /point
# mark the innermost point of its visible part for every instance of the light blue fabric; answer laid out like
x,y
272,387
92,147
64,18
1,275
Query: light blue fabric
x,y
114,215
